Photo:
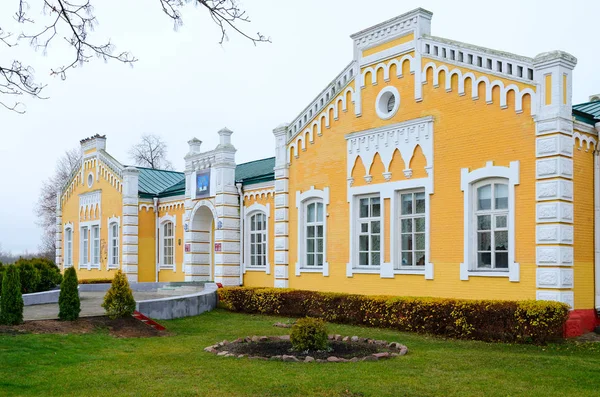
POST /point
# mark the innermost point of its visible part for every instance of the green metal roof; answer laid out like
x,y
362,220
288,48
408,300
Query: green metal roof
x,y
161,183
153,182
255,171
588,112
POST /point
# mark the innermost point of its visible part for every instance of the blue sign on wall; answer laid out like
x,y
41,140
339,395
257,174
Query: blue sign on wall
x,y
203,183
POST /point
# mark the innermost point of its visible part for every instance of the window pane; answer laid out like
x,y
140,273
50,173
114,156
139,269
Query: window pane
x,y
252,260
484,197
363,243
310,212
319,212
501,240
319,231
420,257
320,245
375,243
420,241
501,196
310,259
407,258
310,231
259,249
253,238
484,222
407,243
484,260
501,221
502,260
320,260
484,241
406,225
252,249
375,207
375,227
420,203
364,208
375,259
363,259
419,224
310,245
364,228
406,205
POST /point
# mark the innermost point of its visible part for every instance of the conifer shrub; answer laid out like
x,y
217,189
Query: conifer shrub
x,y
118,301
30,277
2,272
68,300
11,300
309,334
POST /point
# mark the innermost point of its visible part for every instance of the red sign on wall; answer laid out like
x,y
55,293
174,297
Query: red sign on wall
x,y
188,247
217,247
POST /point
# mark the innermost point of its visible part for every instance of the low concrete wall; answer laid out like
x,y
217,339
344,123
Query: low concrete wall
x,y
136,286
40,298
180,306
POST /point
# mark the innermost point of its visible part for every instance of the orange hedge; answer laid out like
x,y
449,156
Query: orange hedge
x,y
486,320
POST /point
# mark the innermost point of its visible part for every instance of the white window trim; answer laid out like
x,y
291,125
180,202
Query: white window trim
x,y
161,242
89,265
113,220
397,248
248,213
467,181
389,190
68,226
302,200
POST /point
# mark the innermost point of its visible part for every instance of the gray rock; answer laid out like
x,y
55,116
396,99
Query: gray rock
x,y
382,355
275,358
284,337
394,345
210,349
346,339
255,338
333,359
403,350
309,359
241,356
354,339
263,339
223,353
338,337
354,359
289,358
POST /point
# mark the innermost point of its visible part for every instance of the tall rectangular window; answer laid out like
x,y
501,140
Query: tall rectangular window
x,y
369,231
258,240
114,244
95,245
412,229
84,251
69,247
491,217
168,244
314,234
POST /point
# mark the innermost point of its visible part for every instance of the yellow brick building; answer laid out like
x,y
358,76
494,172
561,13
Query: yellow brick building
x,y
428,167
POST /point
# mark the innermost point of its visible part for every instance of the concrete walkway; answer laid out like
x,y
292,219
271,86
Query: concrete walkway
x,y
91,303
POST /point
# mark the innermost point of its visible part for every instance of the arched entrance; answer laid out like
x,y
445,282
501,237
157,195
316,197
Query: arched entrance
x,y
200,243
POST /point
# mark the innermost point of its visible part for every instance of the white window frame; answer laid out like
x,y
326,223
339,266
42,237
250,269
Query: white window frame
x,y
95,247
357,221
470,180
87,262
303,199
111,264
68,246
398,248
161,245
249,212
390,190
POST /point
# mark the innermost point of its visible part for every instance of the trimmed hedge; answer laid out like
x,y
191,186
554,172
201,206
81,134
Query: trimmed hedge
x,y
486,320
96,281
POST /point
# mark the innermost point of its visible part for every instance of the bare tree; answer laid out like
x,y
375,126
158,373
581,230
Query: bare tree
x,y
151,152
74,20
45,208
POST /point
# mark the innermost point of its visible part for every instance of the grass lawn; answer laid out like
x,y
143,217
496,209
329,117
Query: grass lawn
x,y
99,364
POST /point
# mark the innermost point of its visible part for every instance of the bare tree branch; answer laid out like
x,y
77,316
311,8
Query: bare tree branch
x,y
151,152
77,18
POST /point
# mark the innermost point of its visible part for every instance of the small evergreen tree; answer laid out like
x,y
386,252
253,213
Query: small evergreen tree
x,y
30,277
68,300
11,300
118,301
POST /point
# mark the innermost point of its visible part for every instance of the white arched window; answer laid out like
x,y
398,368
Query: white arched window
x,y
489,222
312,231
68,247
113,244
256,238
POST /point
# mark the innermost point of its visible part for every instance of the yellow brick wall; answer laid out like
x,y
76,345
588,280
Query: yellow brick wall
x,y
260,278
466,133
111,206
583,216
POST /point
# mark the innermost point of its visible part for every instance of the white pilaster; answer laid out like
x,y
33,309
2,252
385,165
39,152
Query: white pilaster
x,y
281,208
129,262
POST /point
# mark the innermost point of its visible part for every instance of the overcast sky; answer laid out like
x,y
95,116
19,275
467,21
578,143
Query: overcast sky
x,y
187,85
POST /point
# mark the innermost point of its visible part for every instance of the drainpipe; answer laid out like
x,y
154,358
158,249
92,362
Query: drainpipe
x,y
156,249
241,193
597,220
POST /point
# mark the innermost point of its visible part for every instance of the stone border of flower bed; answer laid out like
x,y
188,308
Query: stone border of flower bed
x,y
397,349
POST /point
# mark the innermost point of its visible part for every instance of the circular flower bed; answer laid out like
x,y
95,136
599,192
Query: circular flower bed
x,y
341,349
